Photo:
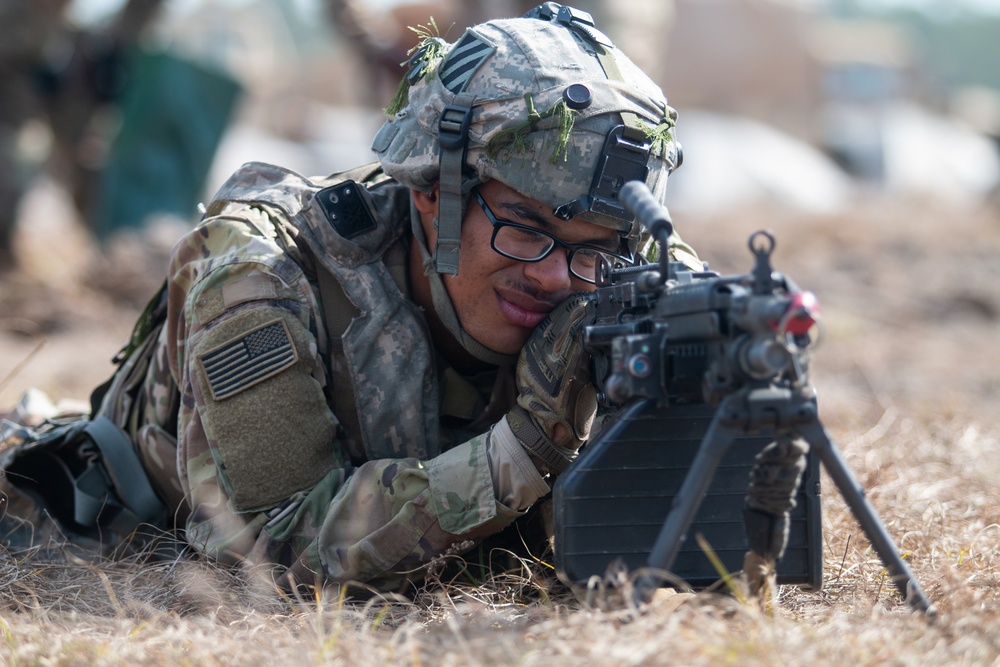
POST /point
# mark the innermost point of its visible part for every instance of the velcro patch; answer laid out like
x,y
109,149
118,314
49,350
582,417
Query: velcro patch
x,y
255,356
463,60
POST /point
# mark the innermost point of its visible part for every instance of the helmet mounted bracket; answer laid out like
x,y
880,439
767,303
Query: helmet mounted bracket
x,y
624,158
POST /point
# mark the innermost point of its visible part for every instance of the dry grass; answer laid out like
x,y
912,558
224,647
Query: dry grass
x,y
908,386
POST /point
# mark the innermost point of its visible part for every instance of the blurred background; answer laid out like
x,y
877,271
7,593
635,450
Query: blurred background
x,y
138,109
865,132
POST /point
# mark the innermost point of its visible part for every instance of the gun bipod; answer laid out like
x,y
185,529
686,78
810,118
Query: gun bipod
x,y
750,410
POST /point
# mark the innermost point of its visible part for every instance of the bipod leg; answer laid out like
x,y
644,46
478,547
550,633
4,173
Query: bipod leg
x,y
814,433
685,505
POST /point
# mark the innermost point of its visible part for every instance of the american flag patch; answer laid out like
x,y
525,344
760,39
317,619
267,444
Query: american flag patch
x,y
253,357
464,59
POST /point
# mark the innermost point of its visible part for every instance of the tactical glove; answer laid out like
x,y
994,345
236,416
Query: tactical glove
x,y
556,400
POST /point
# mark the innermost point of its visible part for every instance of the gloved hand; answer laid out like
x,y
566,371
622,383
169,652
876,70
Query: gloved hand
x,y
556,401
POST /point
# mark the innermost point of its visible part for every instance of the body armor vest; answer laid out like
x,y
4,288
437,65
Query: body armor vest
x,y
348,223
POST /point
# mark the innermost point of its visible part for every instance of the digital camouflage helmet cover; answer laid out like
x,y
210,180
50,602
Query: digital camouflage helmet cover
x,y
546,105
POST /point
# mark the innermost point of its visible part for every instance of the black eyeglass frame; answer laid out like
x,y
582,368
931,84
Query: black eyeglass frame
x,y
572,248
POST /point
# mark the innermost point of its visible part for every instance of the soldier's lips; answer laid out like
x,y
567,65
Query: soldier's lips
x,y
522,310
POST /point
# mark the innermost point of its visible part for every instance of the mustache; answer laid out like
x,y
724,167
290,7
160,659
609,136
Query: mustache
x,y
548,298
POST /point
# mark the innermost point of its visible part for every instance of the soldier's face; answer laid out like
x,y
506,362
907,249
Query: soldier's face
x,y
499,300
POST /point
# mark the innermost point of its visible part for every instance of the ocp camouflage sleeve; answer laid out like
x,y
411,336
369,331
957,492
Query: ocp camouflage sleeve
x,y
263,468
680,251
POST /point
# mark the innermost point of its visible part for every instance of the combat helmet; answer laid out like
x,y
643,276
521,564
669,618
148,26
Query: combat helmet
x,y
546,104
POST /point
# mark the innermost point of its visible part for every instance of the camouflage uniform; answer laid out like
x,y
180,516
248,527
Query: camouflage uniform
x,y
296,410
267,465
276,467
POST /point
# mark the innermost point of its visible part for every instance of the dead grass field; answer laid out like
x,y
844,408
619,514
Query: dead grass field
x,y
908,382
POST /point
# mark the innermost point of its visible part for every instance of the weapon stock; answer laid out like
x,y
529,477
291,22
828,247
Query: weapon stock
x,y
669,341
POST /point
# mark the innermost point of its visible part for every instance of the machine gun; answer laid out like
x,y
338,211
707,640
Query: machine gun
x,y
708,378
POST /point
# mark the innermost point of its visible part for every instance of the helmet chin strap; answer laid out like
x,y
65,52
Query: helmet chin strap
x,y
453,139
443,306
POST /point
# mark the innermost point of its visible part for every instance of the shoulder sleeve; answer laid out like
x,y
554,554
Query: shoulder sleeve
x,y
259,453
682,252
254,428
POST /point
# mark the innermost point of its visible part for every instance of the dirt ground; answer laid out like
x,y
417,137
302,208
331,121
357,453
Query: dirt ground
x,y
907,375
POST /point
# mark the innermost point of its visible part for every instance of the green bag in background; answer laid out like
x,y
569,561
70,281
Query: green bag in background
x,y
174,113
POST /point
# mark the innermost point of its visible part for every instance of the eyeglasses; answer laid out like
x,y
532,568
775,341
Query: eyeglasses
x,y
528,244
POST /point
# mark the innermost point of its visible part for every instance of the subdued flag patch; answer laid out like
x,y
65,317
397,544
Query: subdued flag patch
x,y
254,357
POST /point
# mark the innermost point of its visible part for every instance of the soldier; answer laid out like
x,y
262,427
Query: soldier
x,y
347,377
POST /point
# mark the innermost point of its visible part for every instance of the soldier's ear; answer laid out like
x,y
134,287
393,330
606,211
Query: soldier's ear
x,y
427,202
